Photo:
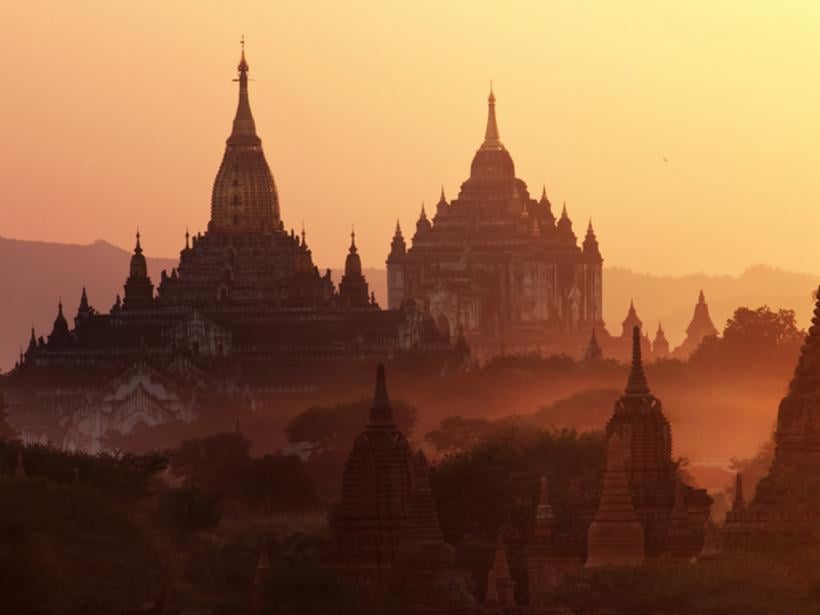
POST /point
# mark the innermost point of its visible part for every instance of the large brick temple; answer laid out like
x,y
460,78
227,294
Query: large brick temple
x,y
496,262
246,312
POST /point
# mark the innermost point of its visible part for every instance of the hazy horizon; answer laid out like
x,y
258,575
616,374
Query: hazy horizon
x,y
691,165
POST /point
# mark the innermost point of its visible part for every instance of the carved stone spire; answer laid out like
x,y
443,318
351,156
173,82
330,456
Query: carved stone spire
x,y
381,413
491,138
591,248
637,384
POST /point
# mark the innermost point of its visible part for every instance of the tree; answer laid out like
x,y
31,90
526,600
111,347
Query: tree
x,y
754,340
328,428
584,410
493,487
218,464
280,483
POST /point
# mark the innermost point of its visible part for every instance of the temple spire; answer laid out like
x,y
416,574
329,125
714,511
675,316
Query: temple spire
x,y
138,247
244,128
637,384
381,413
491,138
808,365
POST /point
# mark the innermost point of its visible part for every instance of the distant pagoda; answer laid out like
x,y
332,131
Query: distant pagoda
x,y
385,534
644,431
700,327
376,486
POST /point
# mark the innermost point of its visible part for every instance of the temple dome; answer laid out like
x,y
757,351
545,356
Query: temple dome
x,y
244,196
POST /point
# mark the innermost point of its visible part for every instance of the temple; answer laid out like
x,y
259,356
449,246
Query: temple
x,y
246,313
385,534
700,327
495,261
785,504
640,485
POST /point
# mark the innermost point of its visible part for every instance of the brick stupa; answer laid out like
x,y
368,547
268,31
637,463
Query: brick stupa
x,y
615,537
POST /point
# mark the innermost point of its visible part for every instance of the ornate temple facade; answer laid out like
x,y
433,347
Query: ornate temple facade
x,y
497,264
786,502
245,312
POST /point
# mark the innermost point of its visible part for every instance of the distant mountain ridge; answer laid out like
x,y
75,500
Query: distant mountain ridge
x,y
35,274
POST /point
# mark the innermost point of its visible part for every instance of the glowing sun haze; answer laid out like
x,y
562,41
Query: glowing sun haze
x,y
115,114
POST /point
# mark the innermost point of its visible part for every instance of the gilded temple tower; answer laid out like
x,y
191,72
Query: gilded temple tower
x,y
244,195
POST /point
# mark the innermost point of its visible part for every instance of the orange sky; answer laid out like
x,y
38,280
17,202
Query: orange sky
x,y
114,114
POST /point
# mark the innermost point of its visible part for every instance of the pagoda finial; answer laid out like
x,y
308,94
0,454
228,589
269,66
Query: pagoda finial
x,y
543,192
637,384
244,128
491,138
187,239
243,64
352,240
423,215
381,413
564,213
398,228
138,247
701,297
442,198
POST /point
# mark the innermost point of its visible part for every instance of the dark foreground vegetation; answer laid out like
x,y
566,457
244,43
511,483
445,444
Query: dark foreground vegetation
x,y
102,534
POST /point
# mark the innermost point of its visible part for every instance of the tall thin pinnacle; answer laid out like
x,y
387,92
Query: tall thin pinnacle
x,y
637,384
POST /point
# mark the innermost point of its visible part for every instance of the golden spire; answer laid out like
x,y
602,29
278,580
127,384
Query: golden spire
x,y
491,138
244,128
